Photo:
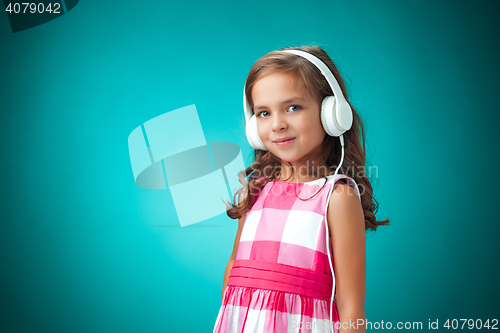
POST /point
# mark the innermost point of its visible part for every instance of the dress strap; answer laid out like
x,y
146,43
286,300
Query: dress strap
x,y
351,182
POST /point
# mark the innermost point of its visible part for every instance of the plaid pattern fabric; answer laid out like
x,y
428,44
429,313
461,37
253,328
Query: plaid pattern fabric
x,y
282,229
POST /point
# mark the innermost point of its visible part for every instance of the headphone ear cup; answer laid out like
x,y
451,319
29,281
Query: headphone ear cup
x,y
253,134
344,116
328,116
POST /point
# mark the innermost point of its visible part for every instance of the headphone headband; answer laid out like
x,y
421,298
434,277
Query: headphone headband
x,y
330,78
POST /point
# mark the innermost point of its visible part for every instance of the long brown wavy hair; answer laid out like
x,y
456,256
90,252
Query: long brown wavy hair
x,y
268,166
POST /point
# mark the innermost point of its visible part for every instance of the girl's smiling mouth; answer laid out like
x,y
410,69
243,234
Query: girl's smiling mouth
x,y
284,141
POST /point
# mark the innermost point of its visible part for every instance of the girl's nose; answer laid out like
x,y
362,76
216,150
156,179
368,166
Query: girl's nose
x,y
279,122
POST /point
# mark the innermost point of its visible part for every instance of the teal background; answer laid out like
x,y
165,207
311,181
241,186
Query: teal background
x,y
84,249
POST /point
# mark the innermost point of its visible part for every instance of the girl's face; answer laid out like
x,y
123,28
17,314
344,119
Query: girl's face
x,y
286,111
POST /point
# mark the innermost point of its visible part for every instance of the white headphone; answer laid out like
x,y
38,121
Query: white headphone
x,y
336,113
336,118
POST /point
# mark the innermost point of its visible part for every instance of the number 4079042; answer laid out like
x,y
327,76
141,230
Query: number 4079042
x,y
32,7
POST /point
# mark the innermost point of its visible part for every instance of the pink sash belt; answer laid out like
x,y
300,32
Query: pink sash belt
x,y
279,277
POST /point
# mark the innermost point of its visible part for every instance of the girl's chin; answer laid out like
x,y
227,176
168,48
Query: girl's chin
x,y
290,158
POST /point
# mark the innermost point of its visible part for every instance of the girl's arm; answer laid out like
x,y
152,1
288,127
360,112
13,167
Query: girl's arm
x,y
229,266
346,223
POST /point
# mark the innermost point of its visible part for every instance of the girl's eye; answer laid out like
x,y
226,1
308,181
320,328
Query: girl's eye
x,y
294,107
260,113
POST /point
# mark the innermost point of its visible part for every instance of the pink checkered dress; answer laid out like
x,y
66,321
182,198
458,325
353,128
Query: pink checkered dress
x,y
281,279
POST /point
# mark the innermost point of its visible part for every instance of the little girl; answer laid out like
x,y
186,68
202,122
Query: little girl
x,y
299,222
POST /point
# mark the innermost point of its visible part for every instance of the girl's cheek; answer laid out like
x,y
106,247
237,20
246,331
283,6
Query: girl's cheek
x,y
262,132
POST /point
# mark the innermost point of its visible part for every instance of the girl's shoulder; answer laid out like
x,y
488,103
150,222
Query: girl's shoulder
x,y
345,209
343,183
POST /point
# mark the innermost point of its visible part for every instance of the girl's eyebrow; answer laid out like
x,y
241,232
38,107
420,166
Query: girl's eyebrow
x,y
285,102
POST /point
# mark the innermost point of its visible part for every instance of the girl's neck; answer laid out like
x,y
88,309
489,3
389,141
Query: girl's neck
x,y
304,172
